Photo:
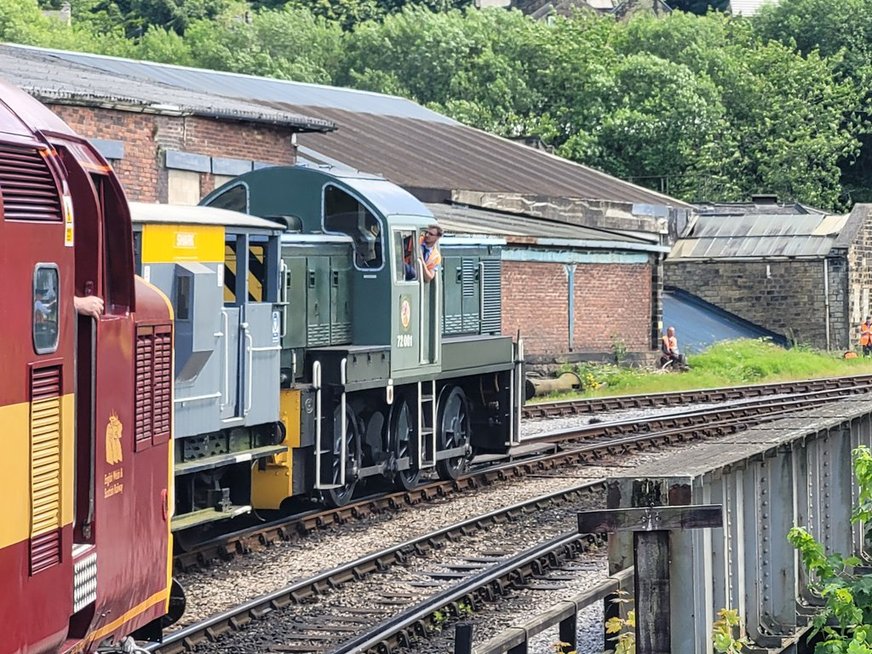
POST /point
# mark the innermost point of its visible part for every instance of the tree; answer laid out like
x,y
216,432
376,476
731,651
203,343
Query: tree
x,y
791,118
842,30
470,64
286,44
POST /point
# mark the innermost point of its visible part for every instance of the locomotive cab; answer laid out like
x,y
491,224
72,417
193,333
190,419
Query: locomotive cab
x,y
220,270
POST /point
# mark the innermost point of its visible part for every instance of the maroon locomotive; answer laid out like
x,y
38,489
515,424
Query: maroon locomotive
x,y
85,402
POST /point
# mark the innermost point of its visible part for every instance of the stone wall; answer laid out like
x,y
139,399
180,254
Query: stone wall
x,y
860,275
784,296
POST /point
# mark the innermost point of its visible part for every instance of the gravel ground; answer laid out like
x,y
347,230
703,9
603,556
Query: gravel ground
x,y
523,604
225,585
381,595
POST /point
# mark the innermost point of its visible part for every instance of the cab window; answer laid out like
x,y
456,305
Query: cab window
x,y
345,214
45,308
405,259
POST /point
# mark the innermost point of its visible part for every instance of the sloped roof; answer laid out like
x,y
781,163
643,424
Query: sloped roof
x,y
459,219
55,76
399,139
700,323
759,236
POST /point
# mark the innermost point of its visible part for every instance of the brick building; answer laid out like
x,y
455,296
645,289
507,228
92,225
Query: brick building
x,y
588,242
792,270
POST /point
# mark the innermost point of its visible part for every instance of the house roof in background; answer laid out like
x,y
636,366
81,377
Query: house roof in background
x,y
747,7
759,236
408,144
518,228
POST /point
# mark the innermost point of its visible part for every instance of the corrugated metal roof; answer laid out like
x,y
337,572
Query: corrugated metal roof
x,y
458,219
406,143
52,75
759,236
420,154
260,89
699,324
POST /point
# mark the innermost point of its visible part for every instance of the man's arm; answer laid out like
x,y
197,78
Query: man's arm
x,y
426,273
90,305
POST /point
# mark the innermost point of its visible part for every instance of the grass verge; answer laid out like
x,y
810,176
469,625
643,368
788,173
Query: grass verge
x,y
730,363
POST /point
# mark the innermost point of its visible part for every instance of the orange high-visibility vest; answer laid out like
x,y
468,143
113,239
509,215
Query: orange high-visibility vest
x,y
434,258
865,334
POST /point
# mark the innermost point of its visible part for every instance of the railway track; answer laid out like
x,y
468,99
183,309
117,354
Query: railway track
x,y
544,452
309,633
582,448
581,406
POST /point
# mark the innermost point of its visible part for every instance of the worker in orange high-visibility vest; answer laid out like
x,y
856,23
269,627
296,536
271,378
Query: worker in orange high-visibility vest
x,y
866,336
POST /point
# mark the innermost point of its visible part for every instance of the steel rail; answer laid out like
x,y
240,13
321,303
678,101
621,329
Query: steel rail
x,y
213,627
580,406
400,629
623,437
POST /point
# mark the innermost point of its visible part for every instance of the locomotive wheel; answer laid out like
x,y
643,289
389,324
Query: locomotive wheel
x,y
340,496
453,421
401,436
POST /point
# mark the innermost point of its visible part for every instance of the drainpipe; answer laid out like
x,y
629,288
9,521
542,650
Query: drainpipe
x,y
570,309
827,301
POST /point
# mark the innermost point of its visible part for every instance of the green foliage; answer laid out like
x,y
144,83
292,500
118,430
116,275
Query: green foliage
x,y
723,633
623,628
845,623
286,44
700,106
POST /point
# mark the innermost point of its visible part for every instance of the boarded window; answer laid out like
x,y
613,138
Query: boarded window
x,y
183,187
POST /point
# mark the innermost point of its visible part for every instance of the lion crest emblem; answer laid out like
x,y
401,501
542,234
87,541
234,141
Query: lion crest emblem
x,y
114,429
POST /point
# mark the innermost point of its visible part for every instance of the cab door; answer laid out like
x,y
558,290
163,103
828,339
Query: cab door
x,y
416,330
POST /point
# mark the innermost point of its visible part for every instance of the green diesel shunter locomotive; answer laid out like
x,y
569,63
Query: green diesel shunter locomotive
x,y
382,374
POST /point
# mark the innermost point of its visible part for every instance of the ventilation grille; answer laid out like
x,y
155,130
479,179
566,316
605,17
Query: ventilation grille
x,y
154,361
492,299
144,414
27,186
468,276
318,334
84,582
453,323
45,468
340,333
163,384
